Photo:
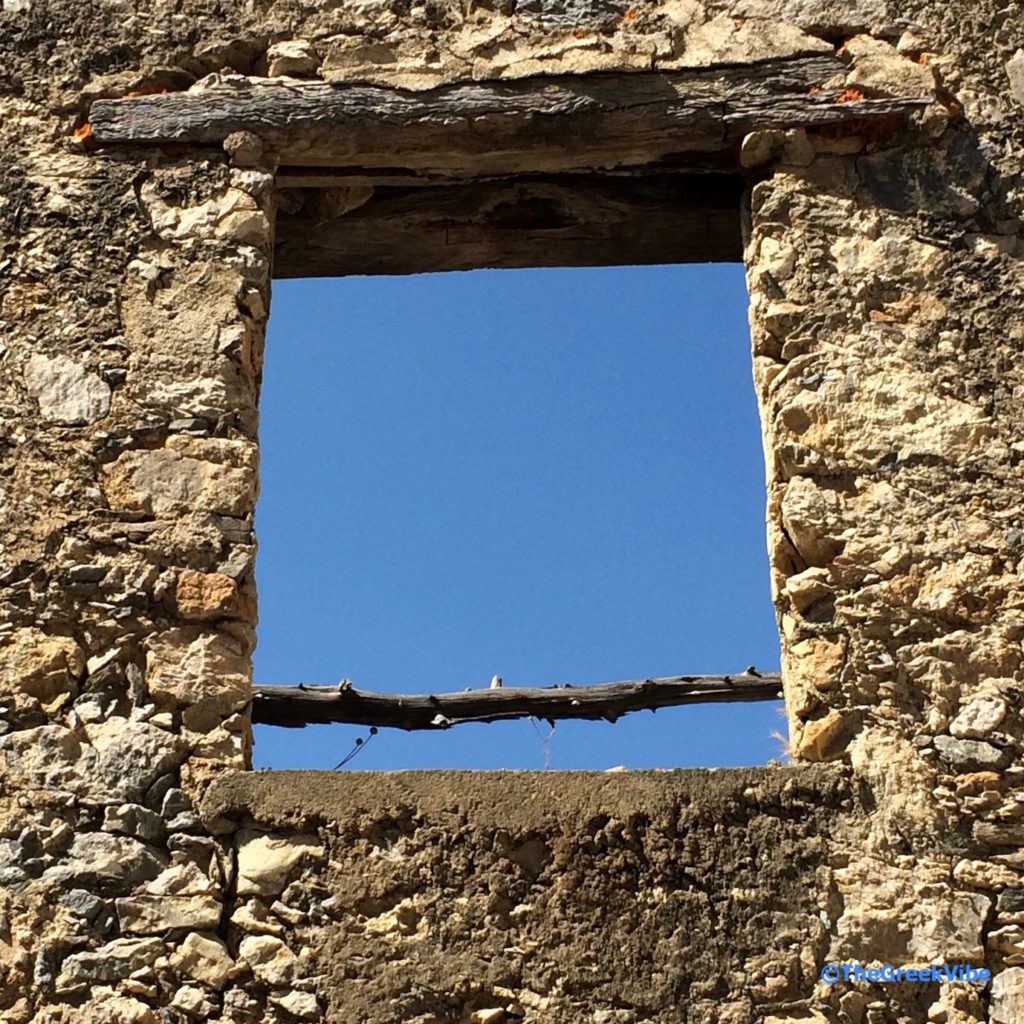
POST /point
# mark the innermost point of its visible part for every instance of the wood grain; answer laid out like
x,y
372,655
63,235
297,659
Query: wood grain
x,y
552,221
546,123
296,706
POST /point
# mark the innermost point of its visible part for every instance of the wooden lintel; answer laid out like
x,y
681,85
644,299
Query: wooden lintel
x,y
541,124
528,221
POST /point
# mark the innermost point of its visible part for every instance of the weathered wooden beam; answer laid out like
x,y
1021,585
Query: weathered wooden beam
x,y
295,706
546,123
554,221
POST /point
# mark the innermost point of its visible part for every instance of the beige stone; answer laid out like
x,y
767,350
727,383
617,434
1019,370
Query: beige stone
x,y
267,860
949,929
727,40
155,914
488,1015
165,482
823,739
204,958
42,666
978,718
254,918
810,668
302,1005
812,518
807,587
186,879
271,961
292,57
211,595
1007,1003
982,874
879,69
117,1009
65,391
191,666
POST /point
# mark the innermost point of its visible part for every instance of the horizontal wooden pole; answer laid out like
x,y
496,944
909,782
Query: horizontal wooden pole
x,y
296,706
546,123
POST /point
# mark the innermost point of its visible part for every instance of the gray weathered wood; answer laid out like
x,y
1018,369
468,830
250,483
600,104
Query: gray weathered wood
x,y
547,123
565,220
305,705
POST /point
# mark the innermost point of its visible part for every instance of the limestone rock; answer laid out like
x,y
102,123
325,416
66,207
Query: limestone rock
x,y
204,958
1015,72
254,918
117,959
880,70
825,739
266,860
101,856
204,671
1007,1002
292,57
192,1001
109,1008
810,668
211,595
50,757
181,478
39,665
948,930
66,392
150,914
186,879
808,587
725,39
134,820
272,962
131,755
489,1015
299,1004
811,515
978,718
1009,941
983,874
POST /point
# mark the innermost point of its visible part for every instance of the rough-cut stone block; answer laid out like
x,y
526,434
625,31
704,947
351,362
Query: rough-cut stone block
x,y
66,392
156,914
166,482
266,860
204,958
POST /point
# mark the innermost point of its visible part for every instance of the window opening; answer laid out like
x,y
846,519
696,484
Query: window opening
x,y
549,475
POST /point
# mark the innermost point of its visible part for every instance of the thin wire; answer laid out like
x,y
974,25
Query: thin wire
x,y
545,740
360,743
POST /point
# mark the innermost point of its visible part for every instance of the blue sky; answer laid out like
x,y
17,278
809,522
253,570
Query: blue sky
x,y
549,475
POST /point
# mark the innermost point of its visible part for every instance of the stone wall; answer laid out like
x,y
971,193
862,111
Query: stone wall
x,y
676,896
884,265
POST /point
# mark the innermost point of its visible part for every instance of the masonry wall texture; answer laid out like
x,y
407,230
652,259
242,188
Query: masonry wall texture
x,y
148,877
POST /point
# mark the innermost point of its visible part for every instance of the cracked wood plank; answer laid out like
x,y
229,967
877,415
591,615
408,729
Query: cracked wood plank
x,y
545,123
